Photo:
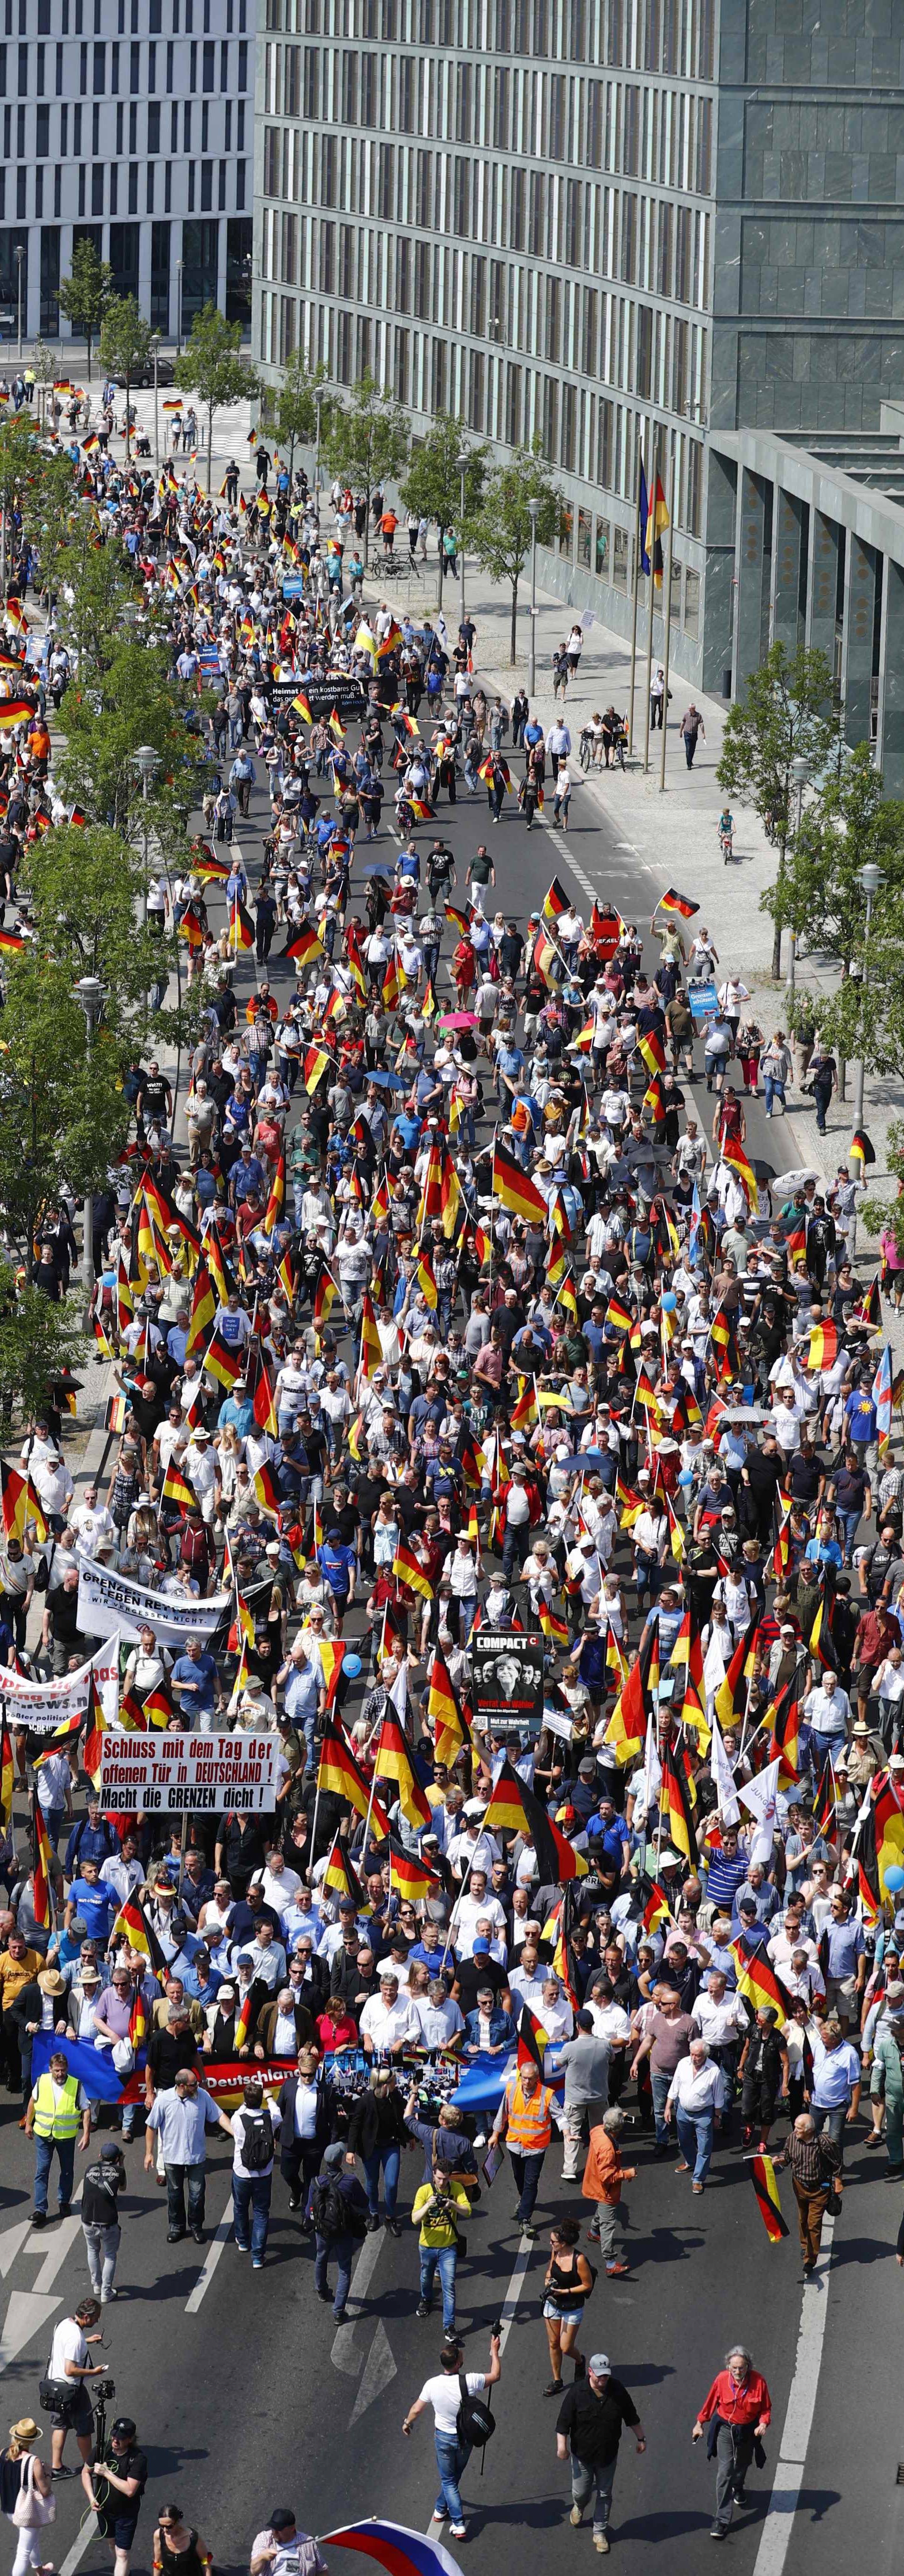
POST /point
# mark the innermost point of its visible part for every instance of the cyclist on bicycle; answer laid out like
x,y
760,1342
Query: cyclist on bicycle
x,y
726,832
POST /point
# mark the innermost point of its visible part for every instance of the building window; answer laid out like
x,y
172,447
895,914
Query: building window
x,y
134,69
238,271
621,553
133,128
81,189
186,126
39,194
191,187
114,71
149,190
76,133
200,260
133,187
59,70
64,133
95,131
40,64
97,188
221,188
168,186
57,192
601,550
240,177
42,133
170,62
224,68
160,276
20,134
242,82
207,66
691,603
99,71
120,119
155,18
23,71
43,19
585,538
114,190
123,256
566,529
205,126
152,69
153,125
206,187
240,126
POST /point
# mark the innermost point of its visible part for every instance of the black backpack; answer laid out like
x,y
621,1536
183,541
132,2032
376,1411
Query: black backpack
x,y
474,2422
257,2142
329,2207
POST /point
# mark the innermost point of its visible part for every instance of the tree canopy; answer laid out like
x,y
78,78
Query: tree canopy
x,y
500,531
211,367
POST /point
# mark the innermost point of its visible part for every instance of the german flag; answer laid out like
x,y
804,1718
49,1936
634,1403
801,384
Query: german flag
x,y
823,1350
331,1651
208,867
723,1339
266,1491
821,1632
287,1274
784,1717
157,1706
316,1064
104,1347
42,1887
241,926
41,1747
10,943
778,1563
554,1627
888,1827
393,1761
178,1489
672,901
866,1856
796,1244
19,1504
519,1194
409,1876
304,946
860,1150
132,1926
340,1875
277,1199
656,1908
427,1283
407,1568
653,1100
513,1808
743,1170
650,1046
246,2019
138,2020
675,1807
7,1776
824,1803
78,819
371,1357
263,1399
203,1308
222,1362
190,926
762,2175
693,1706
731,1696
450,1732
15,711
533,2040
757,1980
618,1316
555,901
869,1310
338,1771
301,707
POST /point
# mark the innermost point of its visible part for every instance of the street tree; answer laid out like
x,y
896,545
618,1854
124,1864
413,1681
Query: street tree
x,y
38,1341
848,823
87,293
369,439
432,485
785,714
298,408
212,367
125,347
500,532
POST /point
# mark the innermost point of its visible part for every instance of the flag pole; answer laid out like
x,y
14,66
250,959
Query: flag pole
x,y
638,549
664,717
654,469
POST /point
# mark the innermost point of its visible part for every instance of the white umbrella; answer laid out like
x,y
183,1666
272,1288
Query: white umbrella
x,y
791,1181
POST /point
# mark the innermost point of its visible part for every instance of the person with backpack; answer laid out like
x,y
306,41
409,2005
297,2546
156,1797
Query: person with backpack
x,y
336,2208
253,2131
463,2423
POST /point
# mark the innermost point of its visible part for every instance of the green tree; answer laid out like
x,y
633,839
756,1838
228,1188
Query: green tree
x,y
432,485
881,1215
291,409
848,823
212,368
86,294
500,533
125,346
369,439
37,1341
786,714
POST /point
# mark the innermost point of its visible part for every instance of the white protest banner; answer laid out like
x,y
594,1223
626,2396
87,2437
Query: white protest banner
x,y
107,1601
42,1706
190,1774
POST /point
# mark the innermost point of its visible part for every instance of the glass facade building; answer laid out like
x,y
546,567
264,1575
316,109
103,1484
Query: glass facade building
x,y
615,224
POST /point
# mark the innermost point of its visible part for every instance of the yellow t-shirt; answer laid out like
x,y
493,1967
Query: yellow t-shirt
x,y
438,2230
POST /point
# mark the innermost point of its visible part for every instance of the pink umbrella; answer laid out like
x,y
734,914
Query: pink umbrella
x,y
458,1020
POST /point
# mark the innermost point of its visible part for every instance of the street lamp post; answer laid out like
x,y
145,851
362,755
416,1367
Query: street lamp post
x,y
870,878
534,506
20,254
320,394
463,463
155,344
89,992
800,771
179,268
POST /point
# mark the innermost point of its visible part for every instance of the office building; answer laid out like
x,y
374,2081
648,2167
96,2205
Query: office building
x,y
619,224
127,121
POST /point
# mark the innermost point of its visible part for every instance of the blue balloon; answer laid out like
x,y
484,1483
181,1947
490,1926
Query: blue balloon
x,y
894,1878
351,1664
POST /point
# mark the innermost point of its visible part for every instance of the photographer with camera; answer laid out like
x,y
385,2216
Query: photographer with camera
x,y
438,2207
65,2392
114,2481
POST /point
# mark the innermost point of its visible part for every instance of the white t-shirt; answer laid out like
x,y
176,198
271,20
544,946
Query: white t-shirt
x,y
444,2395
68,2345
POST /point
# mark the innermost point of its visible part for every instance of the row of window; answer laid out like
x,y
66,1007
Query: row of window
x,y
199,269
105,189
670,36
583,433
637,240
85,14
160,130
100,68
663,136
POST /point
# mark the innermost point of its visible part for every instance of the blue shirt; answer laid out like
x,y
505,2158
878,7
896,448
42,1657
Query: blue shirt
x,y
201,1679
724,1877
98,1907
860,1415
836,2072
336,1564
845,1945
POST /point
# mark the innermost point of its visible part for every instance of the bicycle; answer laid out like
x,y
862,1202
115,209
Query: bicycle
x,y
585,749
391,566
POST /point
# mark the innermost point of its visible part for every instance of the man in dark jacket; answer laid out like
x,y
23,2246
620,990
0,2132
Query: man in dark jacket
x,y
335,2183
590,2420
309,2119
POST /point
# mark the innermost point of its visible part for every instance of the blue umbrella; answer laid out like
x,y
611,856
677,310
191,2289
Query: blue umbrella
x,y
392,1081
585,1458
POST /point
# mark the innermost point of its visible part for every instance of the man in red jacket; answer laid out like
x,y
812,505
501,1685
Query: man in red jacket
x,y
739,2408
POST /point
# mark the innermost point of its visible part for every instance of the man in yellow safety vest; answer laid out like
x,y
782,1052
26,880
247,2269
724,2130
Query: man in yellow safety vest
x,y
53,2119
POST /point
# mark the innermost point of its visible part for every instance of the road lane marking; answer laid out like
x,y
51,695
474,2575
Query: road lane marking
x,y
26,2316
791,2463
345,2353
208,2267
79,2545
379,2369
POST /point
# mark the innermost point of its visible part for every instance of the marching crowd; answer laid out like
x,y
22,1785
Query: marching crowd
x,y
449,1316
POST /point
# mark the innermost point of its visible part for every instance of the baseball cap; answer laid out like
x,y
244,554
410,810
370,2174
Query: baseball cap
x,y
600,2365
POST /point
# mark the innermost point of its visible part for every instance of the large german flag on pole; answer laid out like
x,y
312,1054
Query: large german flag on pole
x,y
19,1503
731,1696
392,1761
42,1886
675,1808
757,1980
340,1875
514,1809
408,1875
339,1772
247,2016
762,2175
532,2040
866,1858
518,1193
785,1718
132,1926
407,1568
450,1732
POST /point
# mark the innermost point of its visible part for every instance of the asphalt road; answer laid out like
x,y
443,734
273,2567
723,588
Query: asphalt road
x,y
243,2393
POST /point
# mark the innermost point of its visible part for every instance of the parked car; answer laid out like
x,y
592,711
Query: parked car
x,y
165,373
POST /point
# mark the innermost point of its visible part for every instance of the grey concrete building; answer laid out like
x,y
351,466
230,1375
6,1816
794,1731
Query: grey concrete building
x,y
673,226
129,121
